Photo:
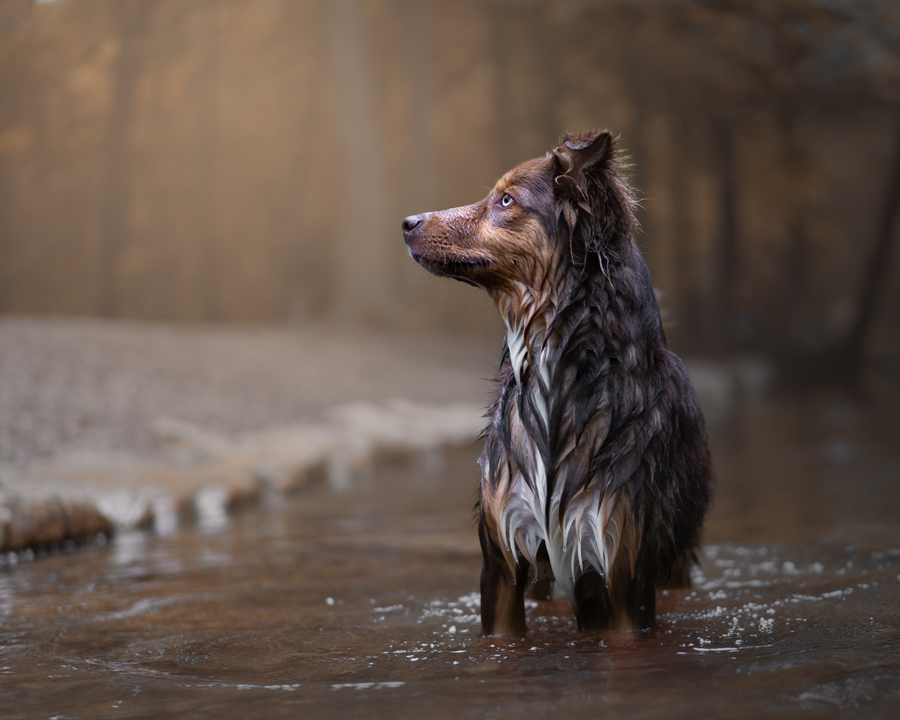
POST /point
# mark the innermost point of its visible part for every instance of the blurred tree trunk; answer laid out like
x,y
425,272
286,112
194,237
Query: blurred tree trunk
x,y
523,45
725,274
131,20
498,54
797,321
543,43
876,275
685,256
362,276
420,190
211,271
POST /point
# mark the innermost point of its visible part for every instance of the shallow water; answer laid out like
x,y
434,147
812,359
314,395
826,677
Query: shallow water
x,y
365,603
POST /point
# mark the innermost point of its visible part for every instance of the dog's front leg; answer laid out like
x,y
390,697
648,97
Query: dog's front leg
x,y
679,577
627,604
502,593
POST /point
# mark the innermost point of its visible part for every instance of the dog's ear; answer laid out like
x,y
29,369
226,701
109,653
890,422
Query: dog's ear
x,y
576,159
578,155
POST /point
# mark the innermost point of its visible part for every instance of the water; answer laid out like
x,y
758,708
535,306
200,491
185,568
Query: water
x,y
365,603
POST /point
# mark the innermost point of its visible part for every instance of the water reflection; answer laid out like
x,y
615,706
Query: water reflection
x,y
7,595
366,601
165,516
211,508
128,548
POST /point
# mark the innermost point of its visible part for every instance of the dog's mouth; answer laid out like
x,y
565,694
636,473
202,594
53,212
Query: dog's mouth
x,y
456,266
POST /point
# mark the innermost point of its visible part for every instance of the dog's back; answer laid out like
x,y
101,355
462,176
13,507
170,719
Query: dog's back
x,y
595,471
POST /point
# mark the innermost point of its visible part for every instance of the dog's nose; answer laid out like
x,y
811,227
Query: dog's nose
x,y
410,224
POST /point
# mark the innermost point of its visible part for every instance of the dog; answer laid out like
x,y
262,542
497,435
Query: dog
x,y
595,471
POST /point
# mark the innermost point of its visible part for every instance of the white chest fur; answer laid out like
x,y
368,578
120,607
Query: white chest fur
x,y
588,534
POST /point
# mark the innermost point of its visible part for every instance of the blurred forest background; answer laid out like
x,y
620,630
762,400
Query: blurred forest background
x,y
251,160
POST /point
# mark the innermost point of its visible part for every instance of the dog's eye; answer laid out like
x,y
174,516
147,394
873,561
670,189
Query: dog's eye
x,y
507,200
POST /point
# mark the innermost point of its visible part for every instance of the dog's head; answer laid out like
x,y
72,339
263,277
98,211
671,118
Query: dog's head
x,y
567,208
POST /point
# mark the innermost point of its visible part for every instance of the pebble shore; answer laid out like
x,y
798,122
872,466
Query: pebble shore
x,y
107,425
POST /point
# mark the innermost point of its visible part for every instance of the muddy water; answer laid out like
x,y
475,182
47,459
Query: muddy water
x,y
365,603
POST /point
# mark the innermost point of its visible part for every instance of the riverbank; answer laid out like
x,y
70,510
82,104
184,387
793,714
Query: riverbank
x,y
117,424
108,425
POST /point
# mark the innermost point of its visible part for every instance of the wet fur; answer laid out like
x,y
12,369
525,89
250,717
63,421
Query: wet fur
x,y
595,469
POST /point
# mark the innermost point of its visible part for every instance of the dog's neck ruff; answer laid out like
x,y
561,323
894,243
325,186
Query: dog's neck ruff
x,y
527,316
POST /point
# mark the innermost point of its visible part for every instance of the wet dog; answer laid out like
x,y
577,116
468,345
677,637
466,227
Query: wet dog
x,y
595,468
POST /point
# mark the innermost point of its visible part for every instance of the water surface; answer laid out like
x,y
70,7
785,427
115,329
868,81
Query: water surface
x,y
365,603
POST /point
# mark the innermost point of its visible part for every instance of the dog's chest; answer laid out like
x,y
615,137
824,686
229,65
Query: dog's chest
x,y
531,494
543,465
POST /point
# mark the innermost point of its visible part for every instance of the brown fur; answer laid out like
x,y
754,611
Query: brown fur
x,y
595,472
